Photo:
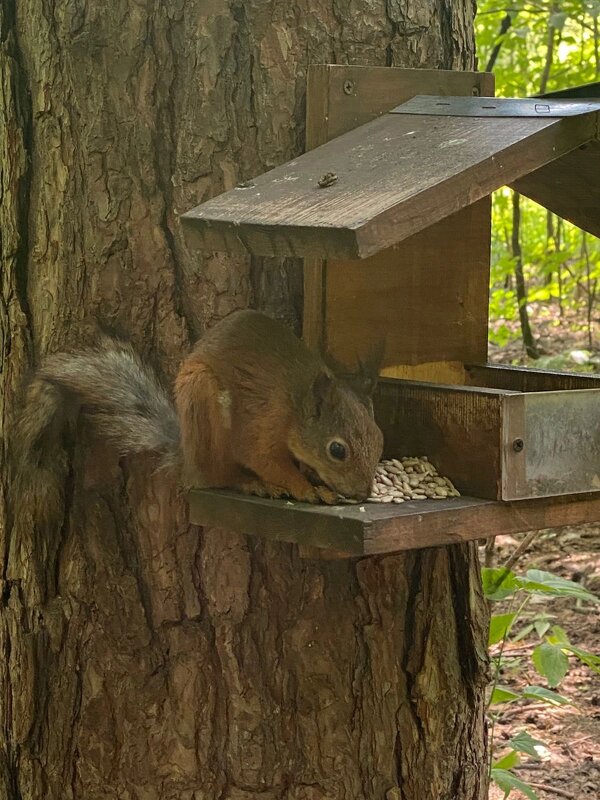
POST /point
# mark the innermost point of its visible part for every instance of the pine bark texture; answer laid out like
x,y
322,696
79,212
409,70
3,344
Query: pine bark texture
x,y
142,658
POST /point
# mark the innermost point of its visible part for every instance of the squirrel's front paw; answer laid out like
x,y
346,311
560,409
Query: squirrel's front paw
x,y
320,494
263,489
312,494
327,496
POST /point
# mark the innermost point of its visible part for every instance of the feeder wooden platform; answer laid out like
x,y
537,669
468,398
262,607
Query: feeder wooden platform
x,y
375,529
469,433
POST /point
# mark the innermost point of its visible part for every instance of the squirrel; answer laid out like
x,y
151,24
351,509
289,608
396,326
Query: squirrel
x,y
255,410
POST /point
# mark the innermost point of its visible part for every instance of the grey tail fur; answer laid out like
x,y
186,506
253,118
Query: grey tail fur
x,y
115,393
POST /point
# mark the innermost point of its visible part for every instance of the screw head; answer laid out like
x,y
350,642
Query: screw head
x,y
348,87
475,91
518,444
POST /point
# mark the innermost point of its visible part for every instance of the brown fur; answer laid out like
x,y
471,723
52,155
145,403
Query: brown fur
x,y
285,406
255,410
39,463
115,394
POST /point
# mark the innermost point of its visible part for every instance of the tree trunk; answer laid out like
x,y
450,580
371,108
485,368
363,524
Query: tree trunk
x,y
141,658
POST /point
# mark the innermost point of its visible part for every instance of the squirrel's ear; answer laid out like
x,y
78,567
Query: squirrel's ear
x,y
321,388
334,365
363,380
366,378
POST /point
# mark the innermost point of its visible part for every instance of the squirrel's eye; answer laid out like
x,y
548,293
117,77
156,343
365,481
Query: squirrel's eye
x,y
337,451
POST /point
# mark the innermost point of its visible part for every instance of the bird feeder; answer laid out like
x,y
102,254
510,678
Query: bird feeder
x,y
391,210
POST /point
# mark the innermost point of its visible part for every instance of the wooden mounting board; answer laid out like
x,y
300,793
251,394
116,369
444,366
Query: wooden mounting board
x,y
388,528
424,298
399,295
395,176
341,97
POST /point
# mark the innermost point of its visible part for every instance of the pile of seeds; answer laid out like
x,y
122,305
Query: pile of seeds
x,y
401,479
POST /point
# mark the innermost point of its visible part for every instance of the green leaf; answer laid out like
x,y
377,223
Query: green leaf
x,y
541,627
498,582
525,743
558,20
539,582
502,694
541,294
507,782
500,625
551,663
559,635
545,695
508,760
589,659
523,633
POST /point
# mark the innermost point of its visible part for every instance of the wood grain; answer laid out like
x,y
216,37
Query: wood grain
x,y
472,433
470,519
460,429
381,529
569,187
426,298
356,94
395,175
317,127
523,379
448,372
346,303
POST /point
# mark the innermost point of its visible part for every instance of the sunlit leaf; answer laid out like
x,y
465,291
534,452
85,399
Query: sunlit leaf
x,y
541,626
523,633
545,696
500,625
589,659
559,635
502,694
536,580
508,760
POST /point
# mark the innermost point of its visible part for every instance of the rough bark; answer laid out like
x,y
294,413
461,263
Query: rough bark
x,y
141,658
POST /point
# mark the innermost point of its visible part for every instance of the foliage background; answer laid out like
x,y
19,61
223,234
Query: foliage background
x,y
533,47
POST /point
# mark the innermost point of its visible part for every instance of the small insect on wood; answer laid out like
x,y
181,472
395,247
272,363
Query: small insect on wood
x,y
328,179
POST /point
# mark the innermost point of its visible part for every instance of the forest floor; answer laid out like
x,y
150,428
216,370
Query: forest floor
x,y
563,340
570,767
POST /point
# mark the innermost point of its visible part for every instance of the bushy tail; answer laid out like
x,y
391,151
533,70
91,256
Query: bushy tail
x,y
117,395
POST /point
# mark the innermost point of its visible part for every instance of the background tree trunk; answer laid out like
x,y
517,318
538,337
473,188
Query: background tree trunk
x,y
140,658
520,286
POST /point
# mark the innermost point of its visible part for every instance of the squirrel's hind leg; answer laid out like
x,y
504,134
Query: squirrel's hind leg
x,y
204,413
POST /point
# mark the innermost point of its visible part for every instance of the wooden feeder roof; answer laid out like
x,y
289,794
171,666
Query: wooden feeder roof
x,y
408,169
